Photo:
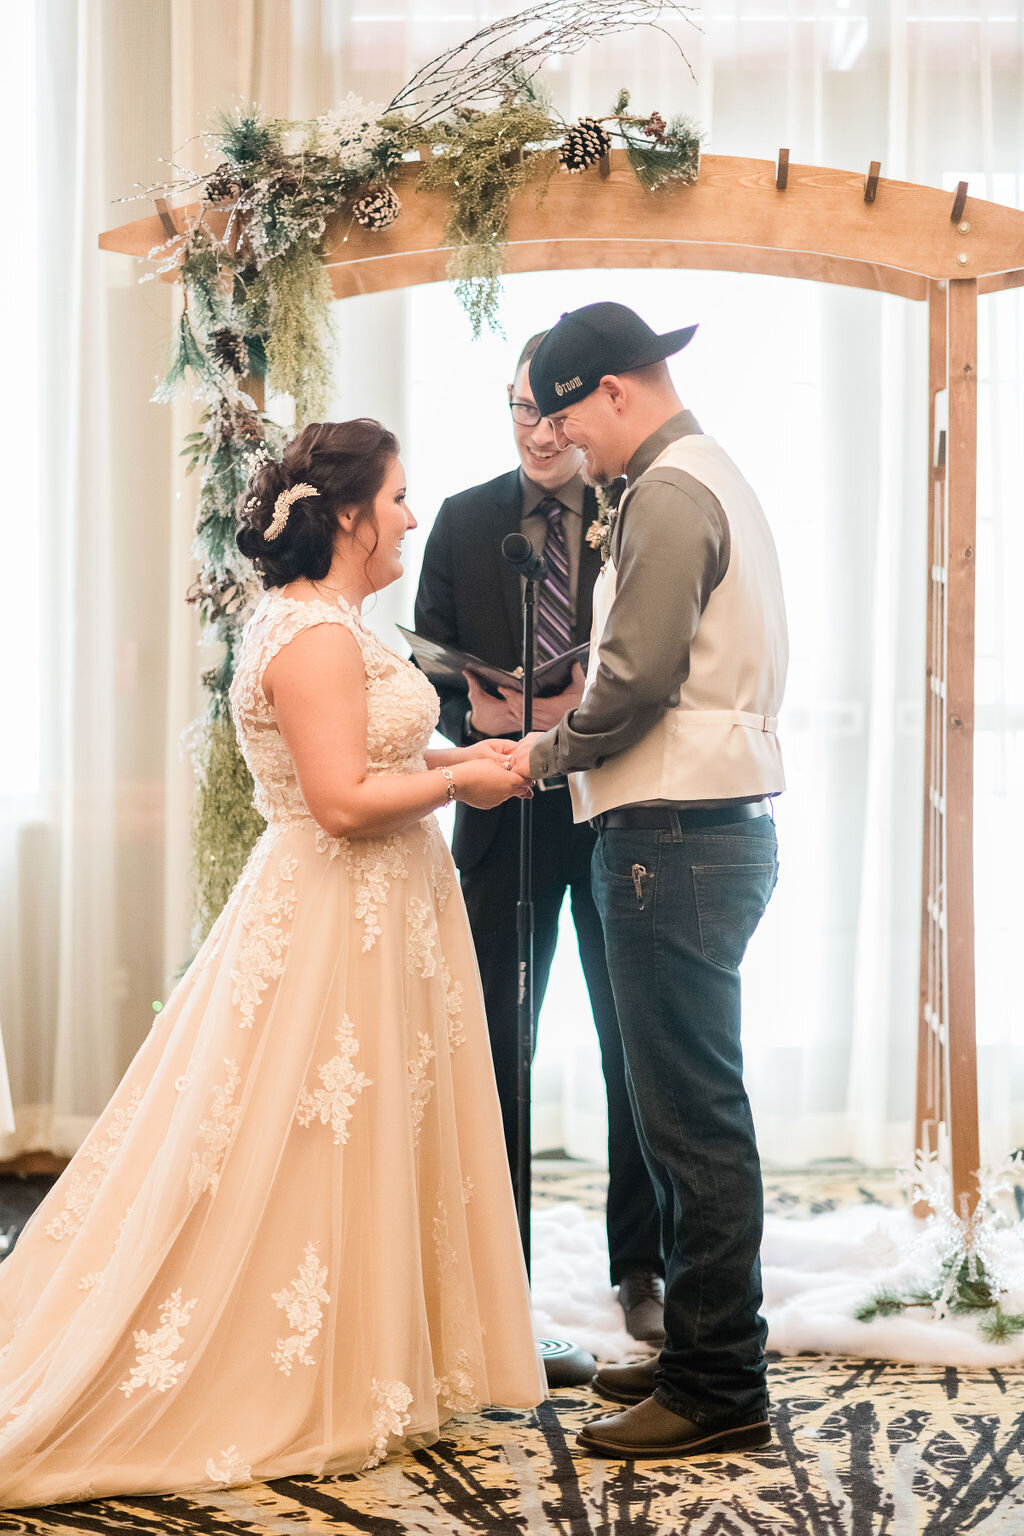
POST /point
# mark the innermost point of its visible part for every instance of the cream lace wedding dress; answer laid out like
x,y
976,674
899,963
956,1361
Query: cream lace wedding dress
x,y
289,1243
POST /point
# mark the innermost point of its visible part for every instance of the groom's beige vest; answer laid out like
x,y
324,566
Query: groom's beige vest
x,y
719,742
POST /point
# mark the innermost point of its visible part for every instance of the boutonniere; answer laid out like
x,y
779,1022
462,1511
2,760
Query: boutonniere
x,y
599,534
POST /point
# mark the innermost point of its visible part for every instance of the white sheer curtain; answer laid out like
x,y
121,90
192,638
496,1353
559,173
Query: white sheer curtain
x,y
818,392
81,814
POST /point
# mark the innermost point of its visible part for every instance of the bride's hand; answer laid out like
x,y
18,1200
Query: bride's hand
x,y
486,780
493,747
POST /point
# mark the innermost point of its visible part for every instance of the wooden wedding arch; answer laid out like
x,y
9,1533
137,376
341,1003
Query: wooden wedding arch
x,y
786,220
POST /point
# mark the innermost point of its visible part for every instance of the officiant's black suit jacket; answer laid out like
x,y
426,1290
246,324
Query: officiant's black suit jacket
x,y
471,597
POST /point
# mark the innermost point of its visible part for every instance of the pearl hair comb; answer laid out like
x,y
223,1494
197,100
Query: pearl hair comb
x,y
282,507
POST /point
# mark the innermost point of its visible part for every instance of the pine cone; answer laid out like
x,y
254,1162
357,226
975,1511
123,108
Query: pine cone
x,y
230,350
584,145
222,184
377,208
286,182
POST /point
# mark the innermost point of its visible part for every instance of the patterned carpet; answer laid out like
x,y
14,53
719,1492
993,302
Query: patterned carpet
x,y
861,1449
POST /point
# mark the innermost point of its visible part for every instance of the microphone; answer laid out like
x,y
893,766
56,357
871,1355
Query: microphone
x,y
518,551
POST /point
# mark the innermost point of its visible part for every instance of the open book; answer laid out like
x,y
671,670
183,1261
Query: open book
x,y
444,664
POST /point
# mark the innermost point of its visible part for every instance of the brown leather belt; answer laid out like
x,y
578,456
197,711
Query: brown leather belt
x,y
652,817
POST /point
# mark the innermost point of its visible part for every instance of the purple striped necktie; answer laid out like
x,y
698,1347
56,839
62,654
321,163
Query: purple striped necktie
x,y
554,613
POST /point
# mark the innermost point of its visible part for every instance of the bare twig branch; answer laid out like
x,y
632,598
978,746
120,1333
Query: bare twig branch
x,y
478,69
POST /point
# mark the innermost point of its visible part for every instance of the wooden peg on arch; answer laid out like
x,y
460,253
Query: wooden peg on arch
x,y
959,203
782,170
166,218
871,181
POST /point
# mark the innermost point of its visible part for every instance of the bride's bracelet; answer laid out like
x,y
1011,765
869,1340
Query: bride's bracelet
x,y
449,779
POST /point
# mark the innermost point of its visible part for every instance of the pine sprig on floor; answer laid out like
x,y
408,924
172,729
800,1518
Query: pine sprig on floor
x,y
961,1249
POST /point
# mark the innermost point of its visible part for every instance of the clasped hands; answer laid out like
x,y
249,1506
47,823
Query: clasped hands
x,y
487,777
495,717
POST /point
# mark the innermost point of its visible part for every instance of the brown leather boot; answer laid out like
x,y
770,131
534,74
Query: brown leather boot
x,y
649,1431
626,1383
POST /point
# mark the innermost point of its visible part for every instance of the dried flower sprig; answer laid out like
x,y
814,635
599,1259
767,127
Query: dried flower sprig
x,y
599,534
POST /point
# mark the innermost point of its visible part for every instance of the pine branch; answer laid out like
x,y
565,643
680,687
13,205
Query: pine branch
x,y
187,357
672,156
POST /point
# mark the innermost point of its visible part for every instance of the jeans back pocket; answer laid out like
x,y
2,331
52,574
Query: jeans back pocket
x,y
730,899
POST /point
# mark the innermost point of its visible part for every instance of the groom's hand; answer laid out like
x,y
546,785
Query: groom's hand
x,y
520,759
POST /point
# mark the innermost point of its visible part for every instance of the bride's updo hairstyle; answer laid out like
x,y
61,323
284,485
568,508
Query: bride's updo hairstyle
x,y
346,463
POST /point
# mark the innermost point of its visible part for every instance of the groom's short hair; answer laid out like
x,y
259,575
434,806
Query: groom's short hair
x,y
528,350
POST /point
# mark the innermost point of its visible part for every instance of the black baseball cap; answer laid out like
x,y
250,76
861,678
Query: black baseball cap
x,y
586,344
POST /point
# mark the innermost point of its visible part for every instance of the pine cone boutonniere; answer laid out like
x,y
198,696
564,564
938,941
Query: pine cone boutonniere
x,y
599,534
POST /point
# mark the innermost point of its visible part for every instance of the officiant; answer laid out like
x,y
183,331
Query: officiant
x,y
470,597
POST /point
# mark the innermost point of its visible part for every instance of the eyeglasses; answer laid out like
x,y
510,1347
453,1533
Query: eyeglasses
x,y
524,413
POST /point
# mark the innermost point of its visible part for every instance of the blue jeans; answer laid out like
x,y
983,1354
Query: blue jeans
x,y
678,908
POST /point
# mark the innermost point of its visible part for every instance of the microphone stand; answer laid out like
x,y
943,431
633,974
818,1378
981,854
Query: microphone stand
x,y
524,931
565,1364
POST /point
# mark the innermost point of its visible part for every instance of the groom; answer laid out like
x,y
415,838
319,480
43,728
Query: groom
x,y
674,754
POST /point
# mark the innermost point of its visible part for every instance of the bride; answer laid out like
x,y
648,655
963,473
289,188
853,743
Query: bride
x,y
288,1245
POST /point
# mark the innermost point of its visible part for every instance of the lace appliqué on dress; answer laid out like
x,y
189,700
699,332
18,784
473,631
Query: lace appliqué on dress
x,y
233,1468
83,1182
401,705
452,1008
261,957
342,1085
372,863
96,1279
276,621
16,1326
300,1302
391,1401
215,1135
456,1390
447,1260
332,846
372,872
419,1083
444,1249
421,938
440,859
154,1365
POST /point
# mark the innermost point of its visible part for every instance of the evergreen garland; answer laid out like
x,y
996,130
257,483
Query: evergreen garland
x,y
257,296
481,164
224,824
